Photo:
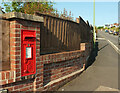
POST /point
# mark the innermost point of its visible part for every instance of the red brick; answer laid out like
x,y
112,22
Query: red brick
x,y
38,67
7,75
38,75
24,27
41,89
38,47
17,79
41,58
41,62
38,63
13,68
10,81
18,74
38,28
14,26
37,55
15,48
14,31
37,86
18,66
14,44
14,53
3,82
28,77
24,89
14,35
34,23
3,76
15,57
15,62
14,39
16,87
10,89
32,28
18,70
38,43
12,75
38,32
41,70
20,86
38,51
38,36
38,82
37,79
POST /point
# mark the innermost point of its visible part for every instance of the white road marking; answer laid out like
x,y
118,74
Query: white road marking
x,y
114,46
104,88
101,38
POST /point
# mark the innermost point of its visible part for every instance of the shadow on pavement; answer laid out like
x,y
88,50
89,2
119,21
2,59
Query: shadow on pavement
x,y
93,55
103,47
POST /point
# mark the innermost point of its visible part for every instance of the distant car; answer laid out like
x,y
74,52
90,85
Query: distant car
x,y
110,32
115,33
106,31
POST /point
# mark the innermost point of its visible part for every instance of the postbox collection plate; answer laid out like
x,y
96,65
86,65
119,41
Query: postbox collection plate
x,y
28,52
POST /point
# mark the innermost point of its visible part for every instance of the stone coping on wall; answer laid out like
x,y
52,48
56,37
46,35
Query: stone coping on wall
x,y
22,16
62,56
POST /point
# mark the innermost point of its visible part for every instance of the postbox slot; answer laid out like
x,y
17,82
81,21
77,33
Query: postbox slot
x,y
29,37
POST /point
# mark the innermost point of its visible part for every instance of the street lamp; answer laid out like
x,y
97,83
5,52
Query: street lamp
x,y
94,34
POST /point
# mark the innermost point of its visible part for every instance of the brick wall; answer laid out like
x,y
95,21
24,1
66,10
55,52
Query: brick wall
x,y
52,70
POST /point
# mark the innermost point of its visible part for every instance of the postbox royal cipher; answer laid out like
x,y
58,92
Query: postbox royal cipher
x,y
28,52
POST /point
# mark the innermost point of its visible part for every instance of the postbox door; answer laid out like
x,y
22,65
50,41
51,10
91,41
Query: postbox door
x,y
28,56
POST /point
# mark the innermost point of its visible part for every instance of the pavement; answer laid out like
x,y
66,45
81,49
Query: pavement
x,y
101,73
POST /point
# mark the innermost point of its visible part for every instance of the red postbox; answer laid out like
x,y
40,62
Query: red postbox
x,y
28,52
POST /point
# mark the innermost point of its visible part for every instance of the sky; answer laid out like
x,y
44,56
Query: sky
x,y
105,12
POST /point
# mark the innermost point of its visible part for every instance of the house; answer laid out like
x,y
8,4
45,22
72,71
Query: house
x,y
116,24
107,25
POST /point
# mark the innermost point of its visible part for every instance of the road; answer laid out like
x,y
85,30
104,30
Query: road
x,y
110,37
102,75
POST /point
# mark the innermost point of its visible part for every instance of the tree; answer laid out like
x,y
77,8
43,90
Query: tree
x,y
29,7
61,15
100,27
64,13
13,6
70,15
43,7
56,13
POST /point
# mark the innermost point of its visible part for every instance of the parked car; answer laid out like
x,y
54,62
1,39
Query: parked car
x,y
115,33
106,31
110,32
